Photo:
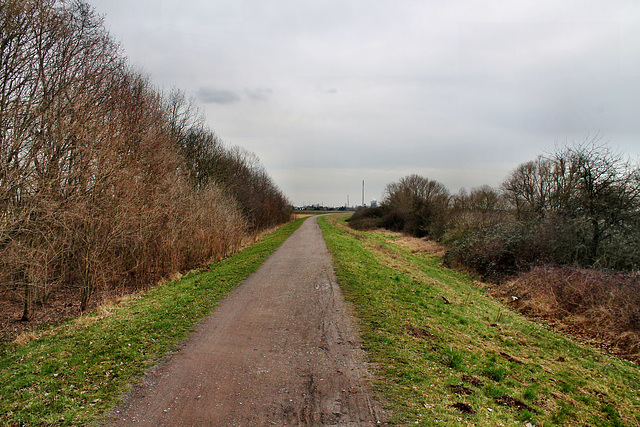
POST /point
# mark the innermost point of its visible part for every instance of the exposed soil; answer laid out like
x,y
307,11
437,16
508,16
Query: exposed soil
x,y
282,349
512,402
460,389
463,407
62,304
473,380
419,332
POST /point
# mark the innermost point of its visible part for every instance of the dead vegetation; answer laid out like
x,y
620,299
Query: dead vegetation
x,y
107,185
416,245
598,306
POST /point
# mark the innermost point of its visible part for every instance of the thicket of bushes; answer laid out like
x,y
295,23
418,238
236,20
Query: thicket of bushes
x,y
579,206
105,182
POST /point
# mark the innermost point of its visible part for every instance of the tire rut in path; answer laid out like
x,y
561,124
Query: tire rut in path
x,y
279,350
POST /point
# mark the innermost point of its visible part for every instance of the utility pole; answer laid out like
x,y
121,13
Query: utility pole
x,y
363,193
347,201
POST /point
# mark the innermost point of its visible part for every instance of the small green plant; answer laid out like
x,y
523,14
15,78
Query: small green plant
x,y
612,415
525,415
563,414
493,370
530,393
455,359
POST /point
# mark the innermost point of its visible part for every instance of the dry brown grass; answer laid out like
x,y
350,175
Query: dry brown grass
x,y
174,276
600,307
106,308
416,244
300,215
25,337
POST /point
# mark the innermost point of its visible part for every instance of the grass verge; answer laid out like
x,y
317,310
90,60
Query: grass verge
x,y
448,354
73,373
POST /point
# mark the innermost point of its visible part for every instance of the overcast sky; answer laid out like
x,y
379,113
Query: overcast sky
x,y
330,92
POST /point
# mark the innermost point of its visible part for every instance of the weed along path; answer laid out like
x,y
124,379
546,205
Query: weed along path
x,y
280,350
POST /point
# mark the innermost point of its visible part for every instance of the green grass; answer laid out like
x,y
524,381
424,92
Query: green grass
x,y
438,341
72,374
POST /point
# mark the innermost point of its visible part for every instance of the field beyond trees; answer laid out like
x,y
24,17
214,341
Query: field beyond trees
x,y
107,184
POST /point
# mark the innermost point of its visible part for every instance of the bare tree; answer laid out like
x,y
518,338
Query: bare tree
x,y
420,204
587,190
598,191
528,189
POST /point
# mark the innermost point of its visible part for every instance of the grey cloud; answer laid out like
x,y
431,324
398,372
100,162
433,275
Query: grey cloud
x,y
217,96
258,94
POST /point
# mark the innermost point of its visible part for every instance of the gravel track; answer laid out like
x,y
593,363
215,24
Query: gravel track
x,y
281,349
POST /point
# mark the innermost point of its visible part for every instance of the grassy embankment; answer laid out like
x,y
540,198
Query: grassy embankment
x,y
447,353
73,373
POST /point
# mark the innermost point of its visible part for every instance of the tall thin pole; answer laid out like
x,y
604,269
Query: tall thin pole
x,y
363,193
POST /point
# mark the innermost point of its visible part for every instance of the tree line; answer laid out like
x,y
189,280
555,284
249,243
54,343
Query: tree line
x,y
106,182
579,205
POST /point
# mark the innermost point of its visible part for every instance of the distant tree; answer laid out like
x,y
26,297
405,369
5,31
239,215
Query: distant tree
x,y
485,200
472,211
417,205
528,189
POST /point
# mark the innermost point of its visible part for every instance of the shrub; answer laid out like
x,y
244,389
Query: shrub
x,y
492,252
367,218
394,220
417,206
594,190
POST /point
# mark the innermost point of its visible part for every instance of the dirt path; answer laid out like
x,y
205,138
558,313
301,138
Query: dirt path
x,y
280,350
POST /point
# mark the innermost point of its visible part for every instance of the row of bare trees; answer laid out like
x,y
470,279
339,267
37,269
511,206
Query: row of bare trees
x,y
105,183
579,205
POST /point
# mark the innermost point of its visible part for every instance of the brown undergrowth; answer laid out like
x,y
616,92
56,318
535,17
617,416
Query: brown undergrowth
x,y
414,244
63,303
600,307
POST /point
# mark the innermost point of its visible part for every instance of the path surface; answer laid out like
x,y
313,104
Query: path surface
x,y
280,350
